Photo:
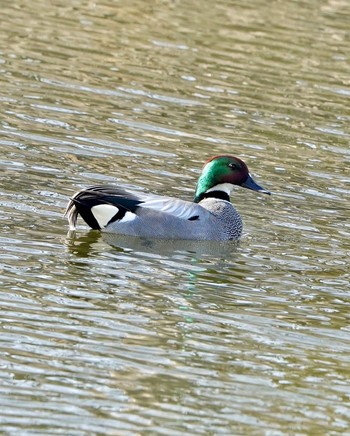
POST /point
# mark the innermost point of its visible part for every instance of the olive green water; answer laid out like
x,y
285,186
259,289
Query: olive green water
x,y
115,336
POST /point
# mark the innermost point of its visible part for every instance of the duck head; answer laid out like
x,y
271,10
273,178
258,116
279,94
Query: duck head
x,y
220,174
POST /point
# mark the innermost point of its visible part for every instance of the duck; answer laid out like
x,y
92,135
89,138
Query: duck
x,y
210,216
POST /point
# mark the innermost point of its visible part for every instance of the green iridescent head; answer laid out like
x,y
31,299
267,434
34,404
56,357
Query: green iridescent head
x,y
220,174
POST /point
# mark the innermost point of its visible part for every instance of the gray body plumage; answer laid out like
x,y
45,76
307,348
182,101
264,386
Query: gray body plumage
x,y
217,220
160,217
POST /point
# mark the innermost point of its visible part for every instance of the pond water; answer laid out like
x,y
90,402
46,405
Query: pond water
x,y
106,335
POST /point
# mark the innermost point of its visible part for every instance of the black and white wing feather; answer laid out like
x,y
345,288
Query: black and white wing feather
x,y
103,205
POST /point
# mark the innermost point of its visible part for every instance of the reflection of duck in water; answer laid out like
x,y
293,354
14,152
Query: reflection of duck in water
x,y
209,217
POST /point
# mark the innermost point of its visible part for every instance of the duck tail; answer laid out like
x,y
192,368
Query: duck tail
x,y
87,204
98,206
71,213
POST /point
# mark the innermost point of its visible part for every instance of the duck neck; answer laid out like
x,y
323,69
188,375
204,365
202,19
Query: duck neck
x,y
221,191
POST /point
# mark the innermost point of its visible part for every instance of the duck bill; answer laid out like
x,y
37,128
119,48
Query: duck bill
x,y
251,184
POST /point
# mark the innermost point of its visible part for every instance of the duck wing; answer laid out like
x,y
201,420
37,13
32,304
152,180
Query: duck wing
x,y
102,205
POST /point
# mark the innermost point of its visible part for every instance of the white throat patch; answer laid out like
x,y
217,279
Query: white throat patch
x,y
225,187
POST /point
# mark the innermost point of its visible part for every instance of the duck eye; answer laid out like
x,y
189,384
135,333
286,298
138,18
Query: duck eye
x,y
233,165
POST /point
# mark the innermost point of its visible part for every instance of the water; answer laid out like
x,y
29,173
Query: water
x,y
103,335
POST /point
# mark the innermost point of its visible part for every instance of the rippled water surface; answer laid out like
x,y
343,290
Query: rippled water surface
x,y
106,335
